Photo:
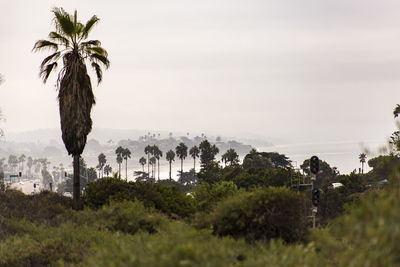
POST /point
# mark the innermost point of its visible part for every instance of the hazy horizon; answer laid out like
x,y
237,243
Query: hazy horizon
x,y
287,72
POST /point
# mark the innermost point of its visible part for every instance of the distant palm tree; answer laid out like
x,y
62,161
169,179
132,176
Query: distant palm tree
x,y
142,162
362,157
126,154
75,94
157,154
170,157
119,152
102,161
148,150
194,152
107,170
181,153
152,163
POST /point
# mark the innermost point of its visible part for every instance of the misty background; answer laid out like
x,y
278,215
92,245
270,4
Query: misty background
x,y
309,77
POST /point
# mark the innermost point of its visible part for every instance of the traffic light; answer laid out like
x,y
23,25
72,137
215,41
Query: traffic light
x,y
20,174
34,185
314,164
65,174
315,197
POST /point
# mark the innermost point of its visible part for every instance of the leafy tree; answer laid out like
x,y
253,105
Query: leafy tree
x,y
394,142
231,156
325,174
119,152
194,152
75,95
188,178
254,160
207,152
170,157
92,174
181,153
362,157
126,154
157,154
142,162
107,170
102,161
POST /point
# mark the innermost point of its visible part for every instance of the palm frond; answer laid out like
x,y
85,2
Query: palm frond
x,y
58,37
89,25
46,70
396,111
52,57
63,21
98,58
45,44
98,50
99,72
91,42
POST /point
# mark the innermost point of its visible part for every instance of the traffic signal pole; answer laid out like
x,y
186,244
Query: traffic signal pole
x,y
313,209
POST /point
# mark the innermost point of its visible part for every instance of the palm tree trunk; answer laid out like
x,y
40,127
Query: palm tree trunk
x,y
158,169
362,167
76,186
170,170
119,173
126,169
143,167
148,165
181,167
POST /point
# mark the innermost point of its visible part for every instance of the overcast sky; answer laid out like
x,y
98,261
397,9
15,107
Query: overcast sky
x,y
290,70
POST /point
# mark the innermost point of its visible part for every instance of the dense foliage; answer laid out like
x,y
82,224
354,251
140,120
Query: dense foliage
x,y
168,200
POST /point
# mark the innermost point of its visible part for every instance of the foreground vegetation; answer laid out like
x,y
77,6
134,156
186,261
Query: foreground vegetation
x,y
256,227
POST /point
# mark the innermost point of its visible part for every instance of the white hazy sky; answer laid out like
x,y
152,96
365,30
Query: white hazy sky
x,y
288,69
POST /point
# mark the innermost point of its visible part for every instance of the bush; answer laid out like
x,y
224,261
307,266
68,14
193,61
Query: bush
x,y
207,195
368,235
261,214
168,200
41,207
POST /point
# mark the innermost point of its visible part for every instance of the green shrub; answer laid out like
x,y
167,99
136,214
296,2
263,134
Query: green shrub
x,y
367,235
261,214
207,195
168,200
42,207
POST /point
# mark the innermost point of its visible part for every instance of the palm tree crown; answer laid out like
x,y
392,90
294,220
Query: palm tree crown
x,y
76,99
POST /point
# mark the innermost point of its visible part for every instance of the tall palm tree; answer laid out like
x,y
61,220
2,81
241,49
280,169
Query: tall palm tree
x,y
142,162
126,154
362,157
76,99
157,154
152,163
194,152
148,150
119,152
170,157
230,156
181,153
102,161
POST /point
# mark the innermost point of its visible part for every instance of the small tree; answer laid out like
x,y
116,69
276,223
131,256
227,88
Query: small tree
x,y
181,153
102,161
107,170
119,152
126,154
142,162
362,157
170,157
194,152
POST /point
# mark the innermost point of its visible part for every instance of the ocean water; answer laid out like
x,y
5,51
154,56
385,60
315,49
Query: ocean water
x,y
343,155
